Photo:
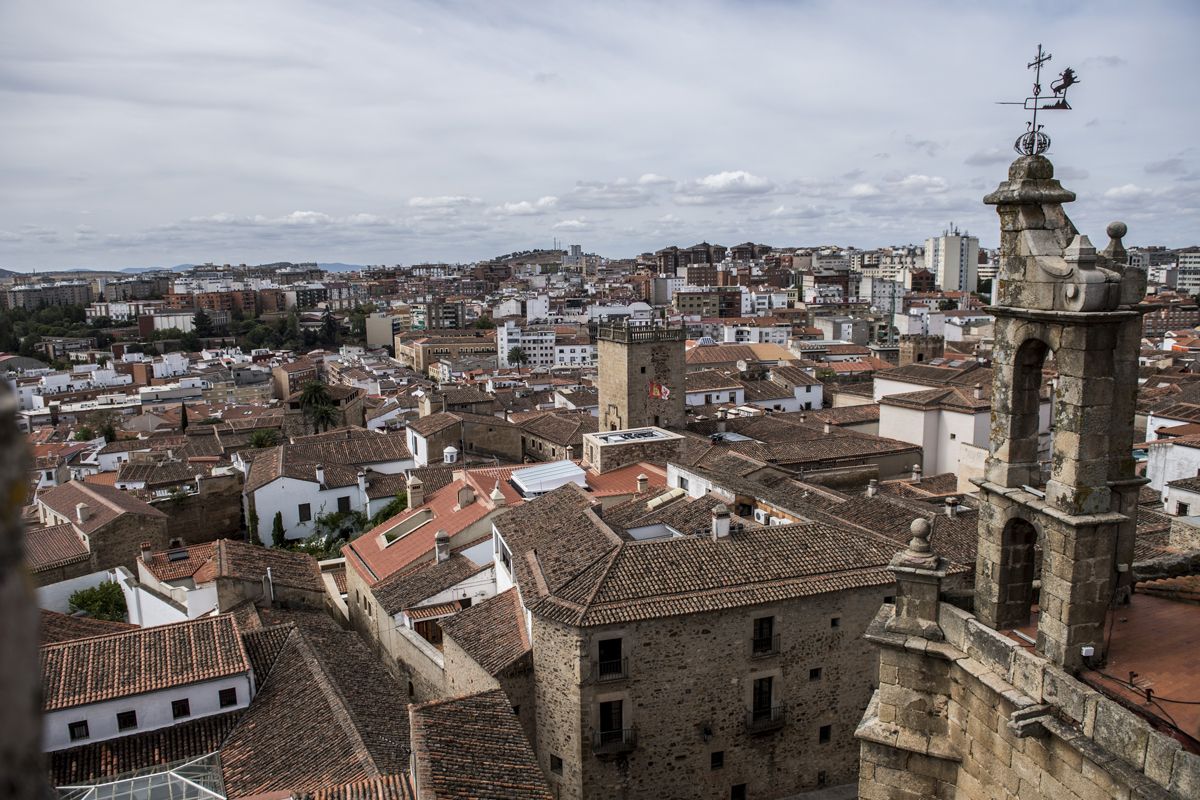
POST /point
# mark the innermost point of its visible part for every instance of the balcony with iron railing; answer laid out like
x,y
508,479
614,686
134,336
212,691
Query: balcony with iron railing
x,y
614,742
612,670
765,719
763,646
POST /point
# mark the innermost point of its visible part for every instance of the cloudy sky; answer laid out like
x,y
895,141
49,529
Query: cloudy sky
x,y
159,133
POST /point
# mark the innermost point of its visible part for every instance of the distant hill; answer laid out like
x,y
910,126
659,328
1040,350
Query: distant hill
x,y
340,267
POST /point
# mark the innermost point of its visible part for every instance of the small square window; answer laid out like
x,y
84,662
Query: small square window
x,y
717,759
78,730
228,697
556,764
126,720
890,598
344,504
814,674
822,778
181,708
304,510
953,436
825,734
643,370
737,792
835,622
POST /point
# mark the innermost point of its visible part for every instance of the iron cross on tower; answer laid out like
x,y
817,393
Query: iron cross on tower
x,y
1033,141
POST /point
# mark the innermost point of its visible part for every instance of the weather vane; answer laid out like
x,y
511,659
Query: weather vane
x,y
1033,141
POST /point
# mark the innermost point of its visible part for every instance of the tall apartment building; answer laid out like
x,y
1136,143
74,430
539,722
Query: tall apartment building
x,y
1188,276
67,293
537,343
953,258
438,314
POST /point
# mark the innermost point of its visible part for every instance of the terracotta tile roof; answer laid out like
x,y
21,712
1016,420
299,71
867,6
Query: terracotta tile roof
x,y
427,426
352,446
102,478
403,590
230,558
115,665
434,611
326,697
387,787
953,398
707,380
54,546
263,646
166,474
492,633
110,758
846,415
473,747
433,478
56,627
105,503
561,429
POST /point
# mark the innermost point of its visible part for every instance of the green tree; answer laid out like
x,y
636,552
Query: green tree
x,y
264,437
395,506
183,420
517,356
252,525
85,434
329,328
278,535
323,417
105,601
202,324
485,323
313,394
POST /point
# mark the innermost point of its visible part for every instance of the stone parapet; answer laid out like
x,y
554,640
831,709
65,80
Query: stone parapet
x,y
979,710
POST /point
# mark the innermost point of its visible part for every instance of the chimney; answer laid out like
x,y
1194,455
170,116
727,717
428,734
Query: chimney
x,y
441,546
827,428
872,487
466,496
951,507
320,473
416,492
979,391
145,548
497,497
362,484
916,473
643,483
720,521
83,512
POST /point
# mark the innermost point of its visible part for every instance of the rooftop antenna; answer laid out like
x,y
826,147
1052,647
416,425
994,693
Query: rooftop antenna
x,y
1033,142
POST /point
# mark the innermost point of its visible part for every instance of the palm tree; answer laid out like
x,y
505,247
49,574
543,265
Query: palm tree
x,y
323,416
516,355
314,393
264,437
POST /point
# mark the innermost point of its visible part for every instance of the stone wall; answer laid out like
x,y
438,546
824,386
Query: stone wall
x,y
979,716
633,367
464,676
918,348
214,513
118,544
605,457
688,694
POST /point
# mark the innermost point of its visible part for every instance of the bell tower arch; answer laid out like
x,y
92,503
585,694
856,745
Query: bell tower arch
x,y
1057,294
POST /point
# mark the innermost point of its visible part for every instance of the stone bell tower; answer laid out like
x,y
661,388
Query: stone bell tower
x,y
1057,297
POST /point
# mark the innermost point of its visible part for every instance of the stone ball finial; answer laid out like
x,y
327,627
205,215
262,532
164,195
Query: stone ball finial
x,y
1116,230
919,543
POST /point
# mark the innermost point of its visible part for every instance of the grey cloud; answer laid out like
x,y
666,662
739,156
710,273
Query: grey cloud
x,y
989,157
595,194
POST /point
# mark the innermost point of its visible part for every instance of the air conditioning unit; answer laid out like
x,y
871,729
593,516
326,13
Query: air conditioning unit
x,y
760,516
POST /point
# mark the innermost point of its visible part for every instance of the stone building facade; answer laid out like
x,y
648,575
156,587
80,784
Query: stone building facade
x,y
641,376
965,707
917,348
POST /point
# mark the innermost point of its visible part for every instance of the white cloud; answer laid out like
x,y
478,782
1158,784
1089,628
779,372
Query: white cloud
x,y
1128,191
524,208
863,190
930,184
579,224
735,182
444,201
651,179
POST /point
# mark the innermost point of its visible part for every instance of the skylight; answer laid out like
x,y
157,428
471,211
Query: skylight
x,y
535,481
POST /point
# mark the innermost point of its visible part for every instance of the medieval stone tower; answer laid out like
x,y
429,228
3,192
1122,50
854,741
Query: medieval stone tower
x,y
641,376
917,348
974,706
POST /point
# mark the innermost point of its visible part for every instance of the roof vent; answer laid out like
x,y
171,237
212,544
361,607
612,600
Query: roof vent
x,y
720,521
83,512
916,473
450,454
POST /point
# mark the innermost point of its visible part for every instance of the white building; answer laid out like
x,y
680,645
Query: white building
x,y
99,688
1187,280
953,258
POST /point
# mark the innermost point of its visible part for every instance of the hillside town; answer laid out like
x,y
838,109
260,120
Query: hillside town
x,y
445,526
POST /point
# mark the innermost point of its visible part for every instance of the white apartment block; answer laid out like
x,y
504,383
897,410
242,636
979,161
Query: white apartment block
x,y
953,258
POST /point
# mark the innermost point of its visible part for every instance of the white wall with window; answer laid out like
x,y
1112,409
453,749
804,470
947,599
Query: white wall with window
x,y
95,722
